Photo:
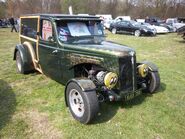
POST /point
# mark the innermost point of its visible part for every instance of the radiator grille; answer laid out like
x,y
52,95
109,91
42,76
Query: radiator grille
x,y
126,73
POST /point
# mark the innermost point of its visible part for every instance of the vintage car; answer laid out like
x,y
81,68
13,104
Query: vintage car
x,y
131,27
72,50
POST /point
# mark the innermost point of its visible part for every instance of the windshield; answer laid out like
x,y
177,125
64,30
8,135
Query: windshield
x,y
77,32
136,24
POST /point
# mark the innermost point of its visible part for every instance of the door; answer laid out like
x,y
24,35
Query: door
x,y
124,26
49,54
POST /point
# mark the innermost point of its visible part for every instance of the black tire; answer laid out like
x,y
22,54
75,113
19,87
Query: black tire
x,y
152,82
83,105
19,63
137,33
114,30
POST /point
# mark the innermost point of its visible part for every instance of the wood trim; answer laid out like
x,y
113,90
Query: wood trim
x,y
28,38
37,43
30,16
33,56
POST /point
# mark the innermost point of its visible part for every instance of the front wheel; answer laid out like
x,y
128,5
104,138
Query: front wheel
x,y
137,33
114,31
83,105
152,82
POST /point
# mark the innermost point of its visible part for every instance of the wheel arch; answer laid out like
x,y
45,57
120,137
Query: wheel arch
x,y
22,50
27,54
84,83
152,66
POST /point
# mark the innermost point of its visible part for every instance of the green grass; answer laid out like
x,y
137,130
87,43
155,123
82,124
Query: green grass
x,y
32,106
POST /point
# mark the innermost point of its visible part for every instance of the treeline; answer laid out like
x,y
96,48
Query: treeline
x,y
134,8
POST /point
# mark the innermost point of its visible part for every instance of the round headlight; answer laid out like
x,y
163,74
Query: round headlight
x,y
143,70
110,80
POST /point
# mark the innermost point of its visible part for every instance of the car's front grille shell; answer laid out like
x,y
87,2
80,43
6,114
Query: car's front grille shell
x,y
127,73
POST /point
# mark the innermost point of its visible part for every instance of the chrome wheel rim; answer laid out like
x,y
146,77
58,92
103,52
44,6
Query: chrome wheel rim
x,y
114,31
137,33
76,103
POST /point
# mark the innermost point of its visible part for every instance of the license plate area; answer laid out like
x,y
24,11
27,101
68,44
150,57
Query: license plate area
x,y
132,95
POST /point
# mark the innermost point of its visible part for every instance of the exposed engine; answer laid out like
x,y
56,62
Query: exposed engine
x,y
103,78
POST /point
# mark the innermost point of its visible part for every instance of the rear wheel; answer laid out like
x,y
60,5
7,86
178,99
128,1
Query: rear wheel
x,y
137,33
83,105
114,31
152,82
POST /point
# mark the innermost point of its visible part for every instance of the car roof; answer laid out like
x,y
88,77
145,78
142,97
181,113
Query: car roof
x,y
63,16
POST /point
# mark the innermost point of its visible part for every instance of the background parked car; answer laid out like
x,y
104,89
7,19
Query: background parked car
x,y
181,19
169,27
3,23
158,22
154,21
174,23
131,27
158,29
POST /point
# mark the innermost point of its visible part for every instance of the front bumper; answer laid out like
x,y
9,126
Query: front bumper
x,y
130,95
122,95
149,33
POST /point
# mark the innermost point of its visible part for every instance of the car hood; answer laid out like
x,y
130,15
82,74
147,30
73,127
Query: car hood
x,y
150,27
105,48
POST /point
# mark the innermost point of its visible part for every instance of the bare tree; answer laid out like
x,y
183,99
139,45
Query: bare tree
x,y
134,8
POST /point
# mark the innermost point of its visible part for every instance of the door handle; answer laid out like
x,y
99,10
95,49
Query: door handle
x,y
55,52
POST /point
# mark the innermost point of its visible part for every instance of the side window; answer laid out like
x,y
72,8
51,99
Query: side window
x,y
170,21
123,23
47,31
29,27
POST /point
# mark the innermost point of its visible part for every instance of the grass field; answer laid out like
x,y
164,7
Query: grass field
x,y
32,106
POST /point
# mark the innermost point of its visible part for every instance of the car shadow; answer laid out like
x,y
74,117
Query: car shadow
x,y
109,109
7,103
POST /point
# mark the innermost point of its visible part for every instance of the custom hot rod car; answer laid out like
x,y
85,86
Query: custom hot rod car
x,y
72,50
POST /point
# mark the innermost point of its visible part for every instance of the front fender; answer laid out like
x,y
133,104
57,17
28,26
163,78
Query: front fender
x,y
152,66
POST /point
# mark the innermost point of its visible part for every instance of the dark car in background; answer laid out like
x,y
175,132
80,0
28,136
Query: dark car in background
x,y
131,27
4,23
